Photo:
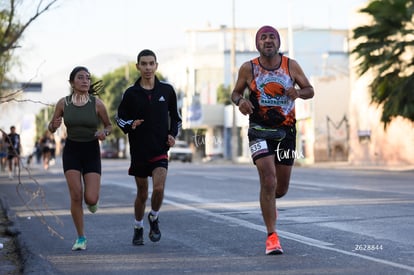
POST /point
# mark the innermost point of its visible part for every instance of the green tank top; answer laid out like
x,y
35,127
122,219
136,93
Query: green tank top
x,y
81,121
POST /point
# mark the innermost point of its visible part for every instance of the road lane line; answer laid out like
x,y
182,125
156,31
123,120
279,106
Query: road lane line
x,y
261,228
288,235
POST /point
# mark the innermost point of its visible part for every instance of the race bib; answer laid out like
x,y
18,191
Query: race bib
x,y
257,147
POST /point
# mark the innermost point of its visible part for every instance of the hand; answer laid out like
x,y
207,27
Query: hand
x,y
136,123
54,124
170,141
101,135
292,93
245,106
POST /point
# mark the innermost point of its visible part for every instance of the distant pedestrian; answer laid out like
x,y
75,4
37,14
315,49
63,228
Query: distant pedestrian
x,y
38,151
13,154
3,150
82,113
45,145
52,149
148,114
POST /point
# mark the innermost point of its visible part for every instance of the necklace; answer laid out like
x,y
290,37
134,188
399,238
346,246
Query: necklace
x,y
80,99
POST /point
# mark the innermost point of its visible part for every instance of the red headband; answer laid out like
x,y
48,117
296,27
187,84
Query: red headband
x,y
265,29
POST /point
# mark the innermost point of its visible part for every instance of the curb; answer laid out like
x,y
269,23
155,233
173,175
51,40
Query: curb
x,y
31,263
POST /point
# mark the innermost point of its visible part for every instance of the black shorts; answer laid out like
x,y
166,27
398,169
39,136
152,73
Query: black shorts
x,y
284,150
12,154
144,169
82,156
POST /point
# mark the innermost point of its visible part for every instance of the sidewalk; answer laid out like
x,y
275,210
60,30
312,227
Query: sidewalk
x,y
10,262
15,258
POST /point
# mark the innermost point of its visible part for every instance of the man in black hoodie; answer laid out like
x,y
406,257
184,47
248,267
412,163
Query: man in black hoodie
x,y
148,114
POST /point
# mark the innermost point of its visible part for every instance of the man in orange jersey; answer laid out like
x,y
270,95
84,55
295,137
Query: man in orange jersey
x,y
274,82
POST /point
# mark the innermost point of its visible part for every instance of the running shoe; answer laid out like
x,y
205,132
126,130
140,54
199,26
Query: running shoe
x,y
80,244
273,245
93,208
155,233
138,236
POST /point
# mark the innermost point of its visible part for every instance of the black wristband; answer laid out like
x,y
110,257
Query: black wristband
x,y
237,102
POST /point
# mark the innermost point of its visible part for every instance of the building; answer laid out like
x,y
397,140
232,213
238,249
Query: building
x,y
208,63
19,105
370,143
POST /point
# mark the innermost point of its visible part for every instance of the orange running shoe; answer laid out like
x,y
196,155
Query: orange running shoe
x,y
273,245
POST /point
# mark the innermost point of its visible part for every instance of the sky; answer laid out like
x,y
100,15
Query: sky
x,y
76,30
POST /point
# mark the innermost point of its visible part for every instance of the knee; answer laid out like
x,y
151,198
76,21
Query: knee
x,y
268,181
158,189
91,196
91,200
281,190
280,194
76,198
269,177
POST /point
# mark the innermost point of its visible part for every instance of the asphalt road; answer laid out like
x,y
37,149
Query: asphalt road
x,y
332,221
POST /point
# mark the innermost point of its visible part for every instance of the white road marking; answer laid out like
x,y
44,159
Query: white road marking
x,y
288,235
243,223
291,236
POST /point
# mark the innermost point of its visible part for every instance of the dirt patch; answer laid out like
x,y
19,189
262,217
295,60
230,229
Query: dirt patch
x,y
10,262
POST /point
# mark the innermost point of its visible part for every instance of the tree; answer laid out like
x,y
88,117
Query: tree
x,y
114,84
223,94
42,120
11,30
385,48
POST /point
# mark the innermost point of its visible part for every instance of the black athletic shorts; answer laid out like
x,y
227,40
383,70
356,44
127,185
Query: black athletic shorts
x,y
13,154
284,150
82,156
144,169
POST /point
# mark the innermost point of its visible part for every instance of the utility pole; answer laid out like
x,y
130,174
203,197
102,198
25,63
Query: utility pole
x,y
290,31
234,138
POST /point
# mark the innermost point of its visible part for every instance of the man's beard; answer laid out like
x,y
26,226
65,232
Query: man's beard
x,y
269,54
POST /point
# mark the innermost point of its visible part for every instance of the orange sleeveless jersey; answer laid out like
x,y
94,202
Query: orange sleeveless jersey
x,y
272,108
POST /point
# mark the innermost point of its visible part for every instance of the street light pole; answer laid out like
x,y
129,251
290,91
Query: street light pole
x,y
290,31
234,137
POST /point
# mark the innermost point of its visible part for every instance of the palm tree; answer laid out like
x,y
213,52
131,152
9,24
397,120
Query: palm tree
x,y
386,47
